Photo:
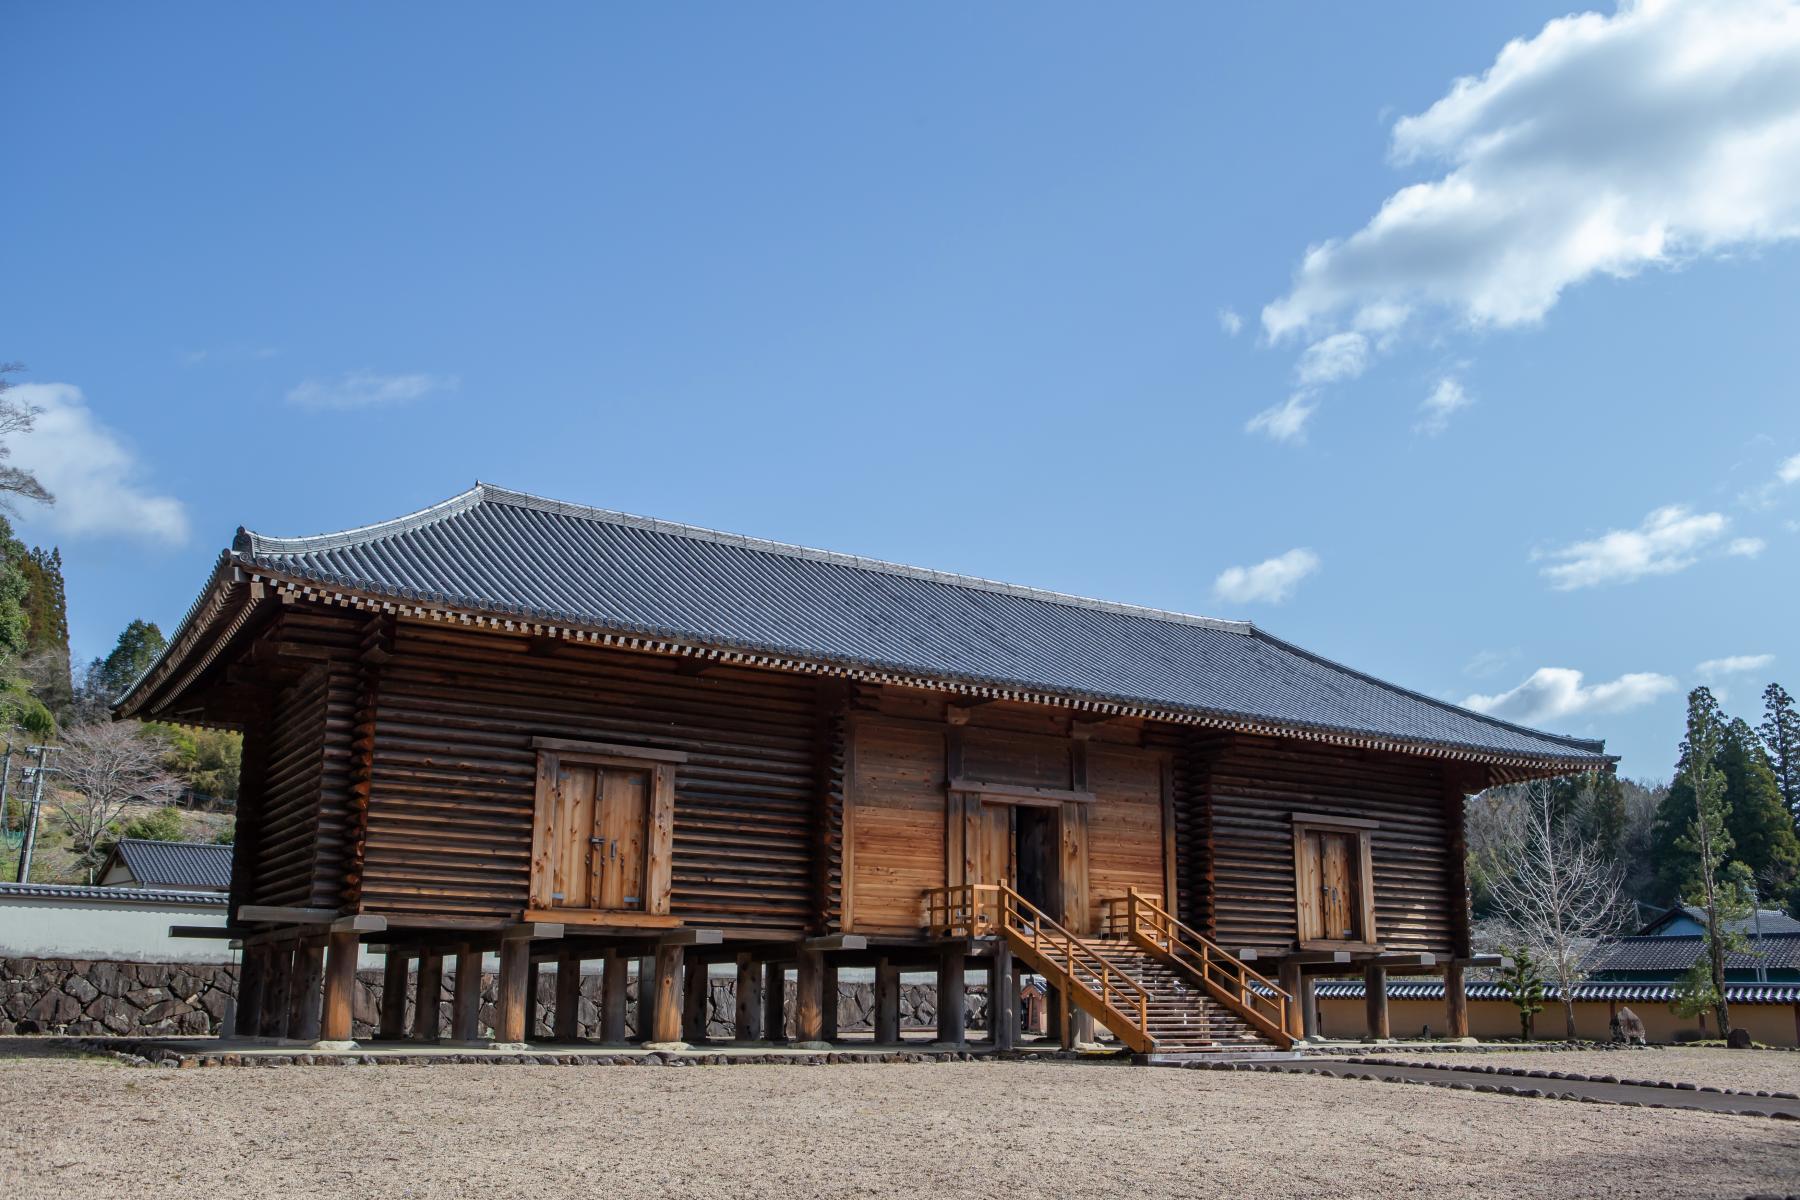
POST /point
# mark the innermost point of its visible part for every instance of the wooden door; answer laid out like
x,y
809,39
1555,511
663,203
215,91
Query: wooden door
x,y
617,848
602,838
994,862
1337,886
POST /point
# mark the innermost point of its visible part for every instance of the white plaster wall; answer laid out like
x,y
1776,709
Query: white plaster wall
x,y
39,927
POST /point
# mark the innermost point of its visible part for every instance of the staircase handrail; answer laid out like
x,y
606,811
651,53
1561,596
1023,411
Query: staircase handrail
x,y
1231,980
1109,983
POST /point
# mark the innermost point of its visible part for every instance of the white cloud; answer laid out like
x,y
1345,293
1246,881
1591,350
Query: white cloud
x,y
366,389
1270,581
1668,541
1488,662
1603,145
1340,356
92,474
1558,693
1789,471
1447,398
1230,322
1746,547
1733,664
1285,422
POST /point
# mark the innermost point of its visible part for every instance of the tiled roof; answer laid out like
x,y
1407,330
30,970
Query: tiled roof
x,y
175,864
1671,955
1767,921
489,550
113,895
1735,993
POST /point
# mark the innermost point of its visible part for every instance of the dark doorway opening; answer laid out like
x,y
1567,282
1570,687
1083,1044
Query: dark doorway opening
x,y
1035,858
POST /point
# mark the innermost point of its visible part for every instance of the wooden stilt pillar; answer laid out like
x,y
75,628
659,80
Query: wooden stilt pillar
x,y
1062,1016
1456,1001
1084,1034
887,1002
809,1007
509,999
339,988
1003,999
306,992
828,1001
1309,1006
951,1025
534,982
393,997
646,1003
665,996
614,967
1053,1016
276,1001
749,1000
696,989
465,997
566,1022
1289,978
1375,1002
252,982
428,991
775,1001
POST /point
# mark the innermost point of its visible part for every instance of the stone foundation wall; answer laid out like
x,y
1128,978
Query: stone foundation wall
x,y
64,995
83,998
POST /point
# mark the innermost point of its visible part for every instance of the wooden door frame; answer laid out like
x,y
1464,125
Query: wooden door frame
x,y
659,825
964,799
1359,830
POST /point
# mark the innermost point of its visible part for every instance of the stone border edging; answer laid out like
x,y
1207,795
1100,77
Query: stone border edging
x,y
1296,1068
152,1053
1572,1077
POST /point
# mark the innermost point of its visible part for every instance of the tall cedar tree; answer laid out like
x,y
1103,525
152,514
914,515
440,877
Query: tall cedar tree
x,y
105,678
47,628
1780,732
1706,838
1762,833
18,707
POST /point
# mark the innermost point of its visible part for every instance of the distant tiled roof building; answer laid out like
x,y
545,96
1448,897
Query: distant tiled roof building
x,y
185,866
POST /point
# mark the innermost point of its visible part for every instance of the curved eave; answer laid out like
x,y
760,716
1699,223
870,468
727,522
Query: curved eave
x,y
172,672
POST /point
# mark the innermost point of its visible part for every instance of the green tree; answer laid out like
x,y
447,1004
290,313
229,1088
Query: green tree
x,y
105,678
1706,839
208,759
1780,732
1762,832
1524,986
18,707
1702,988
47,629
158,825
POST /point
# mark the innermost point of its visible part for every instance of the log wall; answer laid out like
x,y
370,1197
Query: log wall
x,y
1255,786
451,781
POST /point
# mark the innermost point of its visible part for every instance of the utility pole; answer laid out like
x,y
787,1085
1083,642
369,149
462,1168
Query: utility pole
x,y
37,774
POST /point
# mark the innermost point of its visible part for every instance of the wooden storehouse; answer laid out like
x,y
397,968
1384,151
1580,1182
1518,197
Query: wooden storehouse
x,y
505,724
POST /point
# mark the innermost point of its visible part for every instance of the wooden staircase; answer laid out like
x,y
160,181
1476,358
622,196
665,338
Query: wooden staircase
x,y
1155,984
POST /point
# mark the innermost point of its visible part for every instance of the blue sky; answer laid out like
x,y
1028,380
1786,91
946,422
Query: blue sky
x,y
955,287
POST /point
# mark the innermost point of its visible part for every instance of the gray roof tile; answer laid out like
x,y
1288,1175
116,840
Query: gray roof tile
x,y
498,551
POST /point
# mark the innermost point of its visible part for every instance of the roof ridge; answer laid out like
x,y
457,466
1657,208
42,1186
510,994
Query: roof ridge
x,y
256,545
1597,745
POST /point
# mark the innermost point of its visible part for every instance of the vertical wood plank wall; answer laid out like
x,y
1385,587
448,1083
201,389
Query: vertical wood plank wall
x,y
898,823
1125,825
1258,783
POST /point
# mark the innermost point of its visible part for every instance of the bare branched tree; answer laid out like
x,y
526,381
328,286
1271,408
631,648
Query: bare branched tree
x,y
1560,896
105,771
16,418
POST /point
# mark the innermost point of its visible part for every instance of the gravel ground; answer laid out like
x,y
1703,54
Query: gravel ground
x,y
1746,1070
93,1128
